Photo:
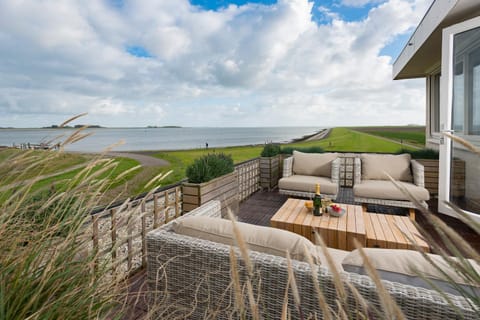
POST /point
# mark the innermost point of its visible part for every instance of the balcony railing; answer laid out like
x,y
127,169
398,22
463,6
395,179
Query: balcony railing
x,y
118,232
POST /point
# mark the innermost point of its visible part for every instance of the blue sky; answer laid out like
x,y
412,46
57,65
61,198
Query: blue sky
x,y
207,63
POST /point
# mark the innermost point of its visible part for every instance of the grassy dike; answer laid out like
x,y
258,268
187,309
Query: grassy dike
x,y
339,140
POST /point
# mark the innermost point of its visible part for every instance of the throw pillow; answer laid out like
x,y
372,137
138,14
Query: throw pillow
x,y
313,164
374,167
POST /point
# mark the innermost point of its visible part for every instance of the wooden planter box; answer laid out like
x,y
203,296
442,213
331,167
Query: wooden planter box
x,y
269,171
224,188
431,176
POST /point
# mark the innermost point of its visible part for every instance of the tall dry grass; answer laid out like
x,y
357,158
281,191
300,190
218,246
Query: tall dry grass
x,y
47,269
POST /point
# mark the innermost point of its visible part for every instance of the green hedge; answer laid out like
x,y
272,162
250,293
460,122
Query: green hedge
x,y
421,154
313,149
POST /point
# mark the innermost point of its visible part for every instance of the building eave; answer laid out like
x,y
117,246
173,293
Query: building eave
x,y
422,54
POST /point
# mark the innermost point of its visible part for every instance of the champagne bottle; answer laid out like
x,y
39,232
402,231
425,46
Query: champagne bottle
x,y
317,201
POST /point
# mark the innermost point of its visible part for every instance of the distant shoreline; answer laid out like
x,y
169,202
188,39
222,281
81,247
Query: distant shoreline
x,y
319,135
165,139
94,126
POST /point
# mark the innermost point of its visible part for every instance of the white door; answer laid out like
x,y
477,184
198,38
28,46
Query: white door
x,y
460,115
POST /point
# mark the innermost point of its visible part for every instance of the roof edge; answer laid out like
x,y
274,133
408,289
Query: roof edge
x,y
431,20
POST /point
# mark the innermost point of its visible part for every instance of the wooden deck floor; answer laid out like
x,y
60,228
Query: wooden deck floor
x,y
258,209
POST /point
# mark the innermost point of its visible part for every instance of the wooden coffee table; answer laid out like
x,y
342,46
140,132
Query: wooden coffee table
x,y
370,229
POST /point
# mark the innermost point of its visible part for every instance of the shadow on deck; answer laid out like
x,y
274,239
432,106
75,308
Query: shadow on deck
x,y
261,206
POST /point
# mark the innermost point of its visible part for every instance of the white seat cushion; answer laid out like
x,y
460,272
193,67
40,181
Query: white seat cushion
x,y
381,189
307,184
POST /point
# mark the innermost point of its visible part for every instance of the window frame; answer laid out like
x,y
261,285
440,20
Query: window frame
x,y
433,106
446,112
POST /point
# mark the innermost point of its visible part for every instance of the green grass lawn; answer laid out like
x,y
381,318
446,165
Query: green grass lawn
x,y
347,140
121,165
179,160
60,163
412,135
339,140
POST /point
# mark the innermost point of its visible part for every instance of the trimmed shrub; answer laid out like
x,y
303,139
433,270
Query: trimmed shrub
x,y
270,150
209,167
314,149
421,154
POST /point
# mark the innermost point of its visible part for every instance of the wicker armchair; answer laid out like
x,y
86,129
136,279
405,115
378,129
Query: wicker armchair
x,y
385,197
192,278
304,186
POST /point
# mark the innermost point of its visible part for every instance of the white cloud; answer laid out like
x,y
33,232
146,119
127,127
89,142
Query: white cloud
x,y
243,65
328,14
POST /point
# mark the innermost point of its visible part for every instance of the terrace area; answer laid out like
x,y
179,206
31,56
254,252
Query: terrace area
x,y
260,205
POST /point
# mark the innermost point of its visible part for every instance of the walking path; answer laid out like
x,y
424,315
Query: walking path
x,y
145,160
319,136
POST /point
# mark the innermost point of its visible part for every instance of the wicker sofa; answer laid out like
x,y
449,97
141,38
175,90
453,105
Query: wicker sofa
x,y
372,185
191,278
303,171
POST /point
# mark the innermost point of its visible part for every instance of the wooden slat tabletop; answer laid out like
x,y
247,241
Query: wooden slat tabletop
x,y
370,229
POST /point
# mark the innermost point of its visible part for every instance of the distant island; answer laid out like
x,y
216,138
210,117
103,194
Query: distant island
x,y
77,126
163,127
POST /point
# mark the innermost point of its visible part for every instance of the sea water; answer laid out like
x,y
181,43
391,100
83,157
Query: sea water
x,y
136,139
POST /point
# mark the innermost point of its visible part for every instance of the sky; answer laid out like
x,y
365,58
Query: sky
x,y
212,63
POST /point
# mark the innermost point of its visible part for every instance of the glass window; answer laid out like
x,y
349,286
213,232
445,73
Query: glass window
x,y
474,110
458,98
465,167
466,83
435,103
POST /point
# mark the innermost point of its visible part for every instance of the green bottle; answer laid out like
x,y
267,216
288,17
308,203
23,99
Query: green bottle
x,y
317,202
